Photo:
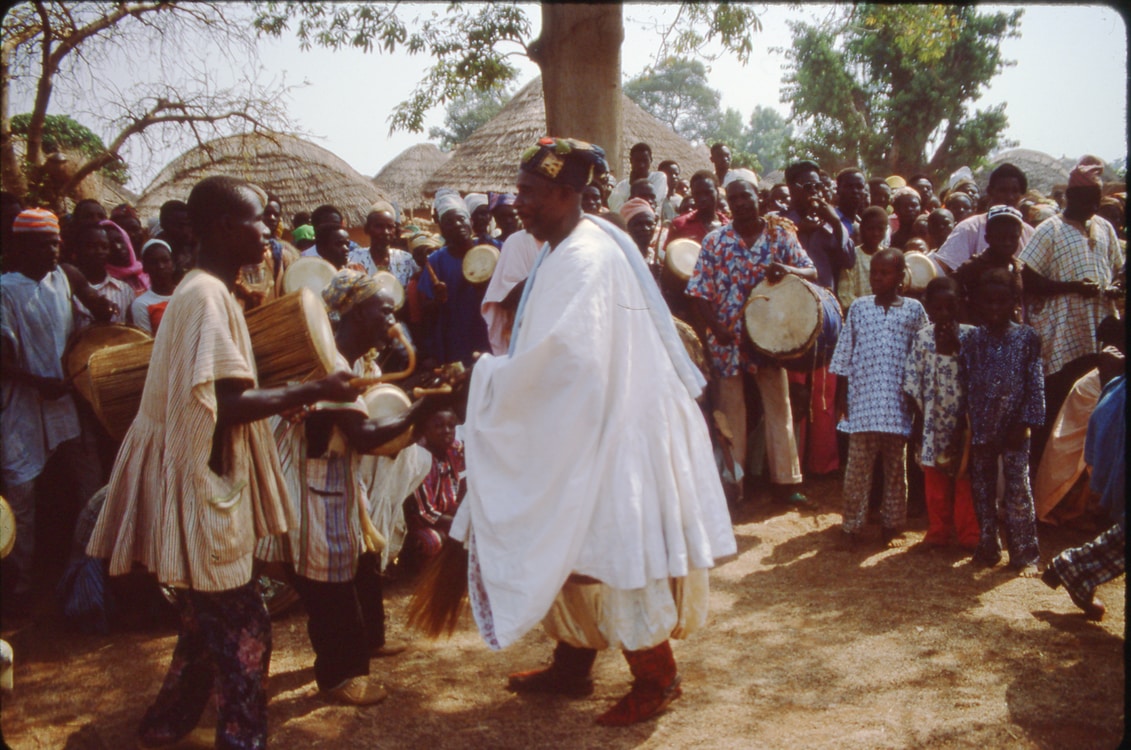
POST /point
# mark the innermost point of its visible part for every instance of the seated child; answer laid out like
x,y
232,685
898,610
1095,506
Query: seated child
x,y
870,354
430,509
931,380
1000,369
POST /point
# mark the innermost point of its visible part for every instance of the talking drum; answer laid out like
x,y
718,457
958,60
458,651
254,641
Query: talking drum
x,y
117,377
918,272
390,284
292,339
680,257
479,263
384,401
84,343
309,272
793,323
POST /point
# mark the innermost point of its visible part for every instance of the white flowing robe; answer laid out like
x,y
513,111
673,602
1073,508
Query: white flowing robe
x,y
586,452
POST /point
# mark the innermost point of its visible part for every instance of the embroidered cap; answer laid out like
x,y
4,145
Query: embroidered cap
x,y
1003,212
565,161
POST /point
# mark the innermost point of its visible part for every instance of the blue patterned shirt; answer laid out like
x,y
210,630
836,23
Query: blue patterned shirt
x,y
727,271
931,379
1005,386
871,352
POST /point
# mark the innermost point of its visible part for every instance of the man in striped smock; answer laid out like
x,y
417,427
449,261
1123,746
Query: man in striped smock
x,y
198,479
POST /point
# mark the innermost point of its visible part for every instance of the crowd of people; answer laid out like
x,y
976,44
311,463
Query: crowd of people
x,y
583,364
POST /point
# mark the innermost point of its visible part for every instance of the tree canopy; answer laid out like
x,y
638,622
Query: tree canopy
x,y
892,87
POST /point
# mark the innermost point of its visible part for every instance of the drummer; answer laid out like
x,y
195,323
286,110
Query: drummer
x,y
382,227
39,421
733,260
323,555
457,329
198,479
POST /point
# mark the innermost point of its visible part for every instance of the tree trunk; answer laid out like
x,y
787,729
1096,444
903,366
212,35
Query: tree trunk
x,y
579,54
11,174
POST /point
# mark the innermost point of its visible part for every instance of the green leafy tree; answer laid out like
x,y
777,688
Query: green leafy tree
x,y
63,132
767,136
466,113
676,92
730,129
891,87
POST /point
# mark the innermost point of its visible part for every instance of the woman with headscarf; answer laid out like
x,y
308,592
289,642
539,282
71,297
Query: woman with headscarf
x,y
123,264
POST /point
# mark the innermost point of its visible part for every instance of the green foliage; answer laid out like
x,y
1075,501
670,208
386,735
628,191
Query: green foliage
x,y
466,113
701,24
676,92
882,86
63,132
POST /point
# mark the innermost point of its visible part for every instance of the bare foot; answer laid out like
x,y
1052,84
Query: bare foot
x,y
1028,571
892,538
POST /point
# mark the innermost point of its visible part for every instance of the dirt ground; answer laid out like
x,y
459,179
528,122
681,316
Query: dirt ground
x,y
807,647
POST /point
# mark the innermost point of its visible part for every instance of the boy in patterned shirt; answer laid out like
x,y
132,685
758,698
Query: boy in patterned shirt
x,y
870,353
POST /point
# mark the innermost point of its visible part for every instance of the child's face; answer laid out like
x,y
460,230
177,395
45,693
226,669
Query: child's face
x,y
440,431
942,307
119,253
872,231
158,264
885,275
996,301
1003,237
93,249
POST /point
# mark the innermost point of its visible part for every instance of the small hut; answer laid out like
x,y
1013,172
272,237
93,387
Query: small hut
x,y
403,178
1042,170
488,160
300,173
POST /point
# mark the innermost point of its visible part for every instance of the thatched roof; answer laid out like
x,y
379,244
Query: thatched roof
x,y
300,173
488,160
403,178
1042,170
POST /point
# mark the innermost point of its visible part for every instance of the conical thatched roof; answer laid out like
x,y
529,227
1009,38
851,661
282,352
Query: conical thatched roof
x,y
403,178
1041,169
488,160
300,173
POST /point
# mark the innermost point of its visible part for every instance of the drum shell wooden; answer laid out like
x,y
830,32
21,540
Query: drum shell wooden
x,y
292,339
811,350
93,338
387,400
117,376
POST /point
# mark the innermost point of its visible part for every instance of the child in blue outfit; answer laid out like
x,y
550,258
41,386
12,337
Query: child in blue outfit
x,y
870,354
1000,368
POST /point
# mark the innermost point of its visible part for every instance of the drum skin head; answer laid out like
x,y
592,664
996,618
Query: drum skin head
x,y
389,283
386,400
680,257
479,263
919,272
782,319
7,528
318,324
309,272
89,340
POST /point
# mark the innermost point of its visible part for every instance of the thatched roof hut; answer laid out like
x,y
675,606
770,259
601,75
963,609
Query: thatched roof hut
x,y
403,178
300,173
488,160
1041,169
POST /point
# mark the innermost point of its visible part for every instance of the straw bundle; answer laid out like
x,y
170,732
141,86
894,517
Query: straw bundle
x,y
117,377
441,595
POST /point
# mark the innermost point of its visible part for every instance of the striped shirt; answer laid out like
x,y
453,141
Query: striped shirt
x,y
166,509
115,290
1064,250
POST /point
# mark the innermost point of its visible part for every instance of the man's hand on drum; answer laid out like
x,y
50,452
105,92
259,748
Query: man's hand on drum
x,y
336,387
102,309
775,272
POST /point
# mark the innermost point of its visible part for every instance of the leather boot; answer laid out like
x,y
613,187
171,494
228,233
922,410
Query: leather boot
x,y
568,675
656,684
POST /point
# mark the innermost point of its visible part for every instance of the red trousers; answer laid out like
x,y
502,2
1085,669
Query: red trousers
x,y
816,434
950,509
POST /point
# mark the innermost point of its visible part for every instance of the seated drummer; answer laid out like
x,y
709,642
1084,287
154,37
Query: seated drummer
x,y
734,259
325,559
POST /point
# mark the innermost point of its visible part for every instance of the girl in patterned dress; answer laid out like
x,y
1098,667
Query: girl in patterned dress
x,y
870,354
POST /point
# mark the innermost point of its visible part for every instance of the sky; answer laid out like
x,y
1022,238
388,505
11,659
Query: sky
x,y
1059,96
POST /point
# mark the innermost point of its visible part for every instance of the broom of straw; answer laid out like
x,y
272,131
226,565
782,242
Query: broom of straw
x,y
441,595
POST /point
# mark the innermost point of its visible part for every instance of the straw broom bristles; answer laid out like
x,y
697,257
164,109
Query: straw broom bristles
x,y
441,595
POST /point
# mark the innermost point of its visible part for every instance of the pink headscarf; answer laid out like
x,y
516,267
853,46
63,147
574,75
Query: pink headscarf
x,y
132,274
633,207
1087,173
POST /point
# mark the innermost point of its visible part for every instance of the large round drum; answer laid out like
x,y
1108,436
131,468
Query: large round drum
x,y
389,283
309,272
292,339
479,263
920,269
793,323
7,528
383,401
98,336
680,257
117,378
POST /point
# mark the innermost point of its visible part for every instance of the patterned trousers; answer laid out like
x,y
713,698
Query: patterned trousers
x,y
1083,568
223,644
1020,516
862,450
